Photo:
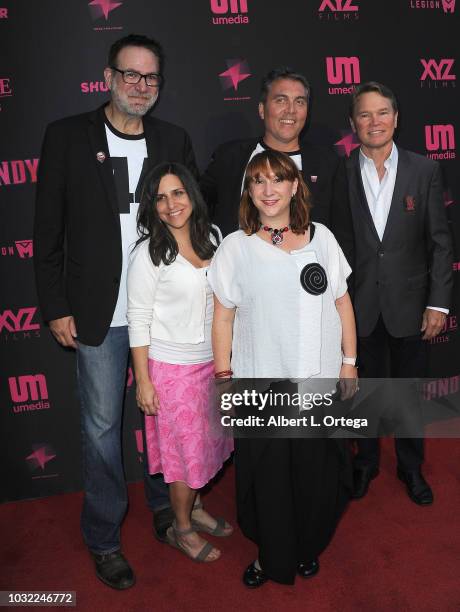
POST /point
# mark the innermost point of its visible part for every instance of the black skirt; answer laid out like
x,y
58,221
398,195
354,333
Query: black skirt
x,y
291,494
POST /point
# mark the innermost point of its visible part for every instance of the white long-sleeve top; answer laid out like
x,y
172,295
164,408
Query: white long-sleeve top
x,y
169,305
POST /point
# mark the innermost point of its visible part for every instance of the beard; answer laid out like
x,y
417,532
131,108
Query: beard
x,y
134,109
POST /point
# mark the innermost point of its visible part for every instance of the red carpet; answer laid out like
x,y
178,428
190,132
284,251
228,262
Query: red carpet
x,y
388,554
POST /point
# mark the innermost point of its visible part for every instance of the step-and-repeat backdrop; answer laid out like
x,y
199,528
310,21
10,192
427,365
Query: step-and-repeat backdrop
x,y
52,56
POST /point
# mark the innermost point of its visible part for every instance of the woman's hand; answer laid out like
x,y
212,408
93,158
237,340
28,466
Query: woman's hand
x,y
147,398
348,381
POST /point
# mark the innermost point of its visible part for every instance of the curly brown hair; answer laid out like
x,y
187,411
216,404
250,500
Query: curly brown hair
x,y
285,169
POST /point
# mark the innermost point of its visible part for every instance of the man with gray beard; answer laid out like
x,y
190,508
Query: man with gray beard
x,y
88,190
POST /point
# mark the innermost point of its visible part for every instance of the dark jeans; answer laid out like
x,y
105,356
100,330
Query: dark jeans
x,y
380,356
101,372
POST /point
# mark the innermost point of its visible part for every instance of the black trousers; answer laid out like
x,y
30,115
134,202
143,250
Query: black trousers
x,y
380,355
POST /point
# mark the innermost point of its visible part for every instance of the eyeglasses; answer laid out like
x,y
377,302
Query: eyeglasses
x,y
132,78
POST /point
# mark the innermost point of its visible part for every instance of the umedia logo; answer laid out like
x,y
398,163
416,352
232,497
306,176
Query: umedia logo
x,y
28,393
18,171
342,70
229,12
335,10
440,138
437,71
237,71
93,87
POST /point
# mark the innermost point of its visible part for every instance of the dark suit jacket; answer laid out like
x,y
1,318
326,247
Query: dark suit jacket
x,y
77,238
222,180
411,267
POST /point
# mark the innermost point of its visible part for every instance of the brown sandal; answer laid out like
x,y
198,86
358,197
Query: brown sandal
x,y
172,540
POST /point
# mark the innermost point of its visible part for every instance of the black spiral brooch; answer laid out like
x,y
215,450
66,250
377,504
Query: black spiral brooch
x,y
313,279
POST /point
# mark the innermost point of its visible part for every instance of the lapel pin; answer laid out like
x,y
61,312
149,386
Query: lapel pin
x,y
410,203
313,179
100,156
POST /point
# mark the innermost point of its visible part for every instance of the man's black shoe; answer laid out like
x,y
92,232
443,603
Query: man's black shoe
x,y
308,569
254,577
162,521
114,570
417,487
362,477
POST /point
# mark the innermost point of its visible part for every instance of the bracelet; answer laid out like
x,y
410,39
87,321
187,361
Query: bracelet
x,y
349,361
223,374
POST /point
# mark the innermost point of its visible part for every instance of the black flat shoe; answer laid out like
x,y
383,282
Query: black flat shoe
x,y
361,480
308,569
417,487
254,577
114,570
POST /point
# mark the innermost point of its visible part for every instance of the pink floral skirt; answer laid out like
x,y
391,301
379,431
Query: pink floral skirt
x,y
185,440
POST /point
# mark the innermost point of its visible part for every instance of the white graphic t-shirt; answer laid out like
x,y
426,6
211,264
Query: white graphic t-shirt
x,y
128,154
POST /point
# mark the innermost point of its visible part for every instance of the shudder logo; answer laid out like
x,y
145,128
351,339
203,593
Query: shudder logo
x,y
93,87
437,71
229,12
28,392
440,138
342,70
18,171
338,10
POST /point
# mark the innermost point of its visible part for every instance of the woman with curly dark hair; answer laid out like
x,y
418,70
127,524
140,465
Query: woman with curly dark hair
x,y
170,311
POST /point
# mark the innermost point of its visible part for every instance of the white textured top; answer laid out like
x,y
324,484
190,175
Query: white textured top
x,y
280,329
169,307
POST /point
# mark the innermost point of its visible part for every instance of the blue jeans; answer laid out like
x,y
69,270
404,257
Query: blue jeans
x,y
101,372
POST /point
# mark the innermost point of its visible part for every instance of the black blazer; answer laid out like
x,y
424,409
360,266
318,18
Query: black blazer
x,y
411,267
222,180
77,237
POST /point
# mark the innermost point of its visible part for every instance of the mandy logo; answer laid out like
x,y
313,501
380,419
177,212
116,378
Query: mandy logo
x,y
448,6
18,171
338,5
41,455
343,69
439,137
220,7
238,70
346,144
31,387
25,248
5,88
20,322
438,71
102,8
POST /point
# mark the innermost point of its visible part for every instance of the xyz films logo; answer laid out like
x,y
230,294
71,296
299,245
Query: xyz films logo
x,y
435,72
335,10
440,141
28,393
16,325
229,12
342,70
